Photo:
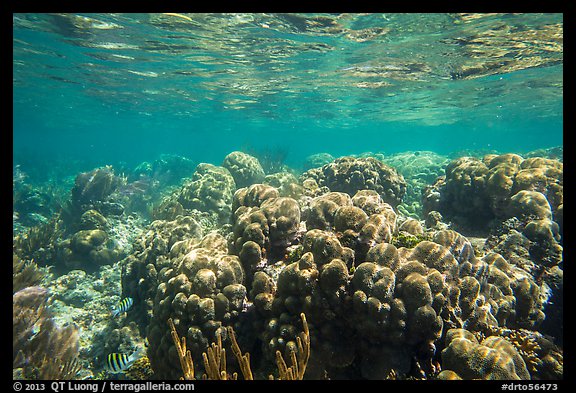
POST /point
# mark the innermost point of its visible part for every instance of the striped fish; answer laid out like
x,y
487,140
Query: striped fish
x,y
118,362
122,307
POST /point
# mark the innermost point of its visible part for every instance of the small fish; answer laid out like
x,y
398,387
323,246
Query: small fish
x,y
118,362
122,307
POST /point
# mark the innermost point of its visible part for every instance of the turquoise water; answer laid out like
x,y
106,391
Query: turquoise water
x,y
110,87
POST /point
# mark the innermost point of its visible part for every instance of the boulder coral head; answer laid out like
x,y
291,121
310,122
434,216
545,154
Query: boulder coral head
x,y
244,168
349,175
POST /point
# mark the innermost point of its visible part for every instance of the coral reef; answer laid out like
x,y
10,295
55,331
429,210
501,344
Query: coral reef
x,y
210,190
88,232
350,175
151,253
32,204
140,370
493,358
264,225
167,169
89,249
86,300
462,192
167,209
543,175
244,168
131,197
39,243
202,290
286,183
317,160
337,263
358,222
515,201
236,258
272,158
403,298
543,358
419,168
93,187
475,191
215,357
321,210
424,166
555,153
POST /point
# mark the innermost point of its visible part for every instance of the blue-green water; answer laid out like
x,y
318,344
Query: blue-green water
x,y
129,87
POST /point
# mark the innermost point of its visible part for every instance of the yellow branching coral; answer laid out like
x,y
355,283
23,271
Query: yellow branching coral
x,y
243,359
215,361
527,347
215,357
184,355
299,360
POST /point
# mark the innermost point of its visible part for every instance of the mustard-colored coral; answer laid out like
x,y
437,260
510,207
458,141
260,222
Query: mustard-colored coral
x,y
140,370
243,359
299,358
543,359
215,361
183,354
493,358
215,357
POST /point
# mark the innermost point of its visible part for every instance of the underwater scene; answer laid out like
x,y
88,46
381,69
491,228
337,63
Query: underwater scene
x,y
287,196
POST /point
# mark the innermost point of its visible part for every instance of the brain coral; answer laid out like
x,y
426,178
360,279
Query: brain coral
x,y
543,175
253,195
211,190
493,358
321,210
349,175
89,249
244,168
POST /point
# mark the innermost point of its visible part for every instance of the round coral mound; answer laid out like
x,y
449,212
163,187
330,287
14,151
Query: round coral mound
x,y
349,175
